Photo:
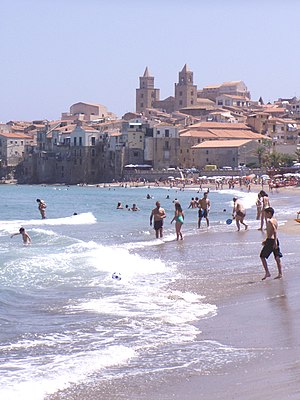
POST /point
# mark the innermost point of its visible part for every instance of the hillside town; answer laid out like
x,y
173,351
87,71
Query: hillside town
x,y
218,127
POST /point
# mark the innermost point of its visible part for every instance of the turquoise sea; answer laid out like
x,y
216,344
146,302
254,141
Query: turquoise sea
x,y
65,321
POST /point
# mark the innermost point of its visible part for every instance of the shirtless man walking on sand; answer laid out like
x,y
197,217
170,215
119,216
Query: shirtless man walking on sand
x,y
204,208
271,244
158,214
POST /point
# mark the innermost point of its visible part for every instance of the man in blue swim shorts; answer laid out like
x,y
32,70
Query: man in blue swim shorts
x,y
204,207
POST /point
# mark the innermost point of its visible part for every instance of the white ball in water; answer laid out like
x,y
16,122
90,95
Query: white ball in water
x,y
116,276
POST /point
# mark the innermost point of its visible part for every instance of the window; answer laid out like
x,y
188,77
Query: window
x,y
142,105
142,95
80,141
206,152
220,102
93,140
158,132
180,93
166,146
180,102
75,141
192,93
135,154
167,133
93,153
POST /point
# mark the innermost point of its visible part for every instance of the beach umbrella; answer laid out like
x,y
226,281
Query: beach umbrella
x,y
251,176
171,177
265,177
278,176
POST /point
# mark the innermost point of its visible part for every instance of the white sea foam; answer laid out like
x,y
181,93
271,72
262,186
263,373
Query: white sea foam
x,y
35,383
80,219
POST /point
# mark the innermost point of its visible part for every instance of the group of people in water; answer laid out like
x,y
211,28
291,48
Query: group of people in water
x,y
265,213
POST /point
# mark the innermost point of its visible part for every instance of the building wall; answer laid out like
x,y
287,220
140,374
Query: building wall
x,y
146,98
90,111
227,156
166,146
11,150
185,90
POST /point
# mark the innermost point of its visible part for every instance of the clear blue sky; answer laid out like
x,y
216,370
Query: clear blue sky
x,y
57,52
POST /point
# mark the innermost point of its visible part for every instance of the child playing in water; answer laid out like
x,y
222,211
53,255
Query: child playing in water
x,y
26,238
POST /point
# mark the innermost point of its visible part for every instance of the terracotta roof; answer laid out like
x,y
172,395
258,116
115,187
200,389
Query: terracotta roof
x,y
13,135
220,143
219,125
270,110
236,133
197,134
232,96
212,87
231,83
115,134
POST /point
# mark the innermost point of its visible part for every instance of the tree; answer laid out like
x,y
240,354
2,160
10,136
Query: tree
x,y
297,154
273,159
260,152
287,159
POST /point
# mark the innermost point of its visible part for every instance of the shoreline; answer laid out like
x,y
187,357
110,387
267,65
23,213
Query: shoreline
x,y
257,316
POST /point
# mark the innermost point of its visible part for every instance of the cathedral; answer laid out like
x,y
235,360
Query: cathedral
x,y
185,93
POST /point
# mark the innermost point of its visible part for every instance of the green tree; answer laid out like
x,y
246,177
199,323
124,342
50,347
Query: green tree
x,y
260,152
287,159
297,154
273,159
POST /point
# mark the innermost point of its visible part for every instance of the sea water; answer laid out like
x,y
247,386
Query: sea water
x,y
65,320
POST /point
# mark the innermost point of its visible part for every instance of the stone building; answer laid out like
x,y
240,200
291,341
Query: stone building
x,y
146,94
166,146
185,90
225,153
233,88
87,112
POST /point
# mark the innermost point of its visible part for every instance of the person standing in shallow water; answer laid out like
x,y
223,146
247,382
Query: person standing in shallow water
x,y
271,244
42,207
158,214
239,213
179,218
204,208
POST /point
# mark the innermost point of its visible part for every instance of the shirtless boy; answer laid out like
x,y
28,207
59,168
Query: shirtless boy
x,y
26,238
239,213
158,214
271,244
204,208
